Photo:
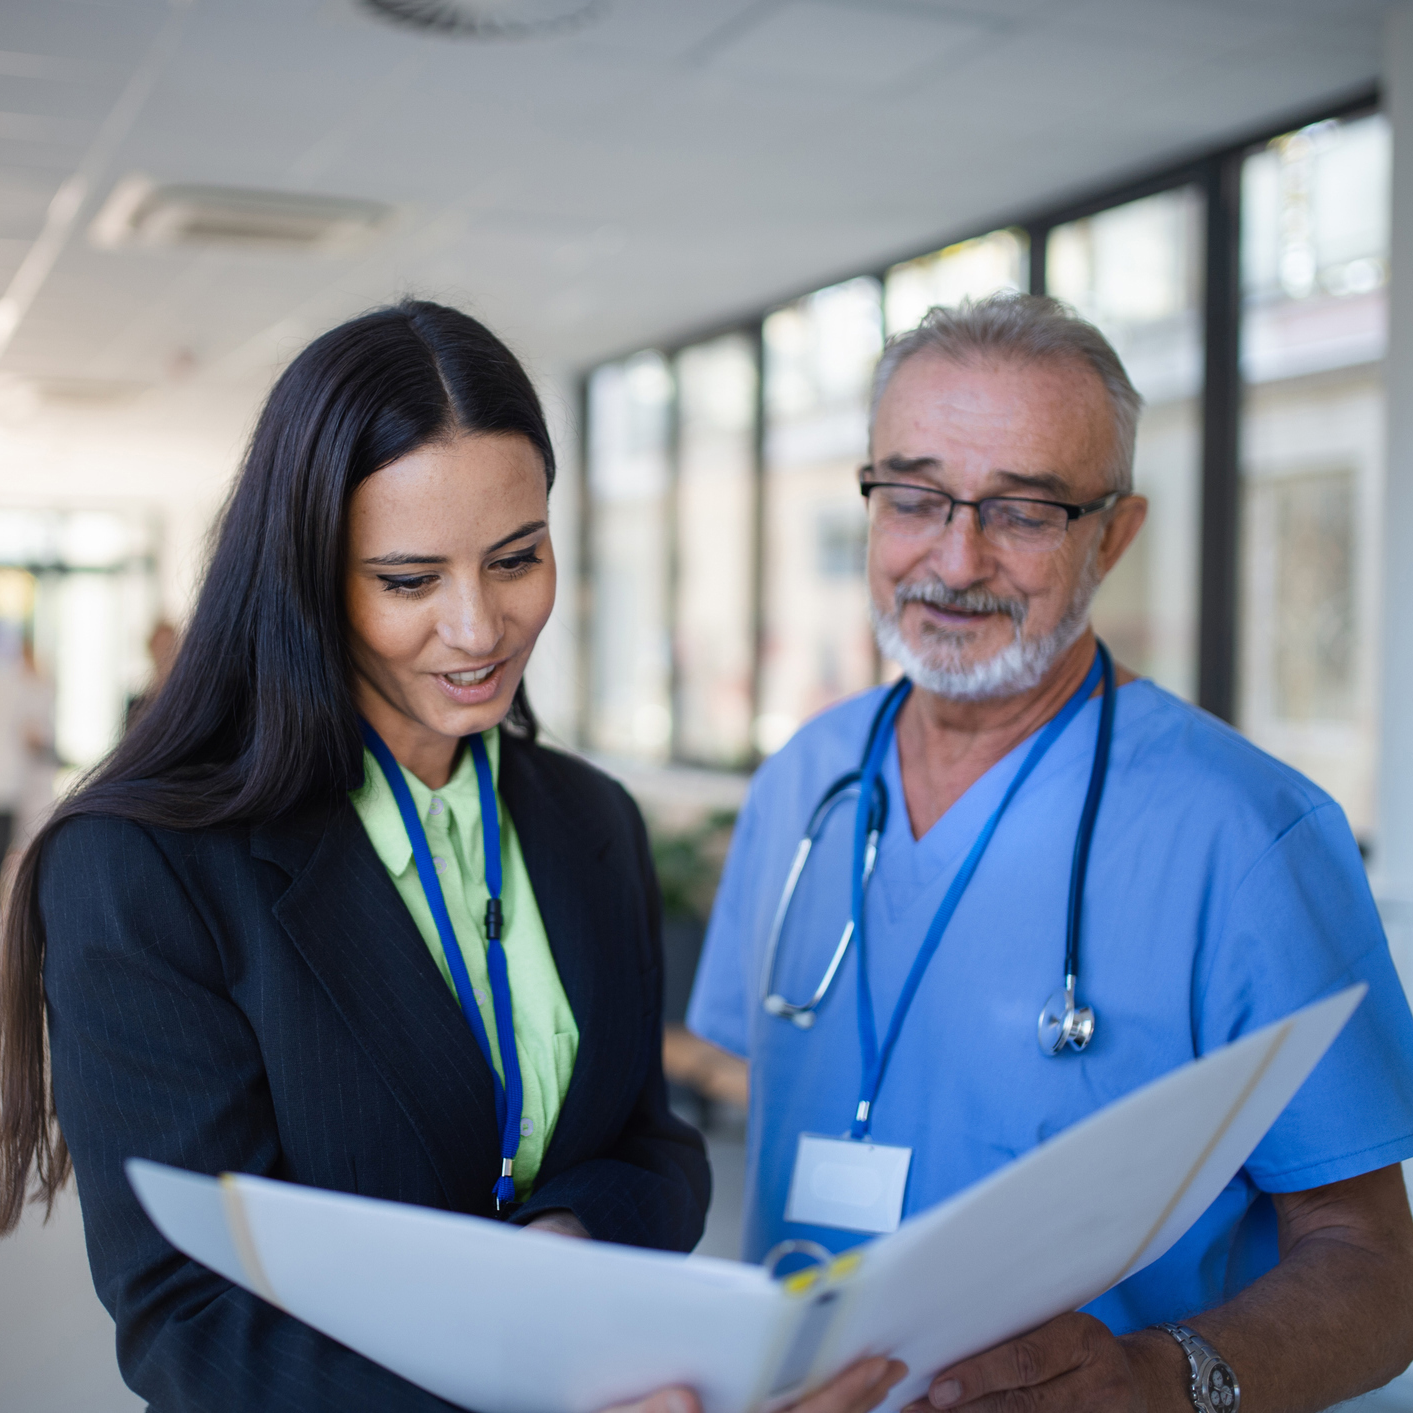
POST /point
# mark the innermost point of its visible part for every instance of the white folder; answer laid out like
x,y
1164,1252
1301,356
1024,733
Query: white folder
x,y
503,1320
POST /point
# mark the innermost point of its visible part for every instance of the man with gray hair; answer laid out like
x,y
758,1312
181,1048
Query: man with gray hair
x,y
1020,818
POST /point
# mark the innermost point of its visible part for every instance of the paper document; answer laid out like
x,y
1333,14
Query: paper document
x,y
502,1320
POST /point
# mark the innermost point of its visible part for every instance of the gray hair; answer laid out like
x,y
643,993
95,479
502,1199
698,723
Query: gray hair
x,y
1028,327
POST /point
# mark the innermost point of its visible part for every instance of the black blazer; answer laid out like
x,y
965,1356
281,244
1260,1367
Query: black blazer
x,y
259,1000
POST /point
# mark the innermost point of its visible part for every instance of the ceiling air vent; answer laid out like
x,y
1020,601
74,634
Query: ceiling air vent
x,y
142,213
87,392
489,19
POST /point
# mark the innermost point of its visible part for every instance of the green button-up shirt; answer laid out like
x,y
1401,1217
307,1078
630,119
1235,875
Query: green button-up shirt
x,y
546,1036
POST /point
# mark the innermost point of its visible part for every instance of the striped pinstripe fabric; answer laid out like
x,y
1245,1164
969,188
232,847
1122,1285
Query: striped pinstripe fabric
x,y
260,1001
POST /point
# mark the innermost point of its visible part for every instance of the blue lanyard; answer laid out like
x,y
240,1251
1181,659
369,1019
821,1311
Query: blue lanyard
x,y
875,1058
510,1095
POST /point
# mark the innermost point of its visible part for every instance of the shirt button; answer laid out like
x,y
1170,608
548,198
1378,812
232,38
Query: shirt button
x,y
479,995
527,1127
438,863
437,806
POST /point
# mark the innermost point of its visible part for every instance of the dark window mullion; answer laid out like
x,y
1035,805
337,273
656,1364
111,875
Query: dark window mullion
x,y
673,550
1221,422
584,618
758,513
1038,238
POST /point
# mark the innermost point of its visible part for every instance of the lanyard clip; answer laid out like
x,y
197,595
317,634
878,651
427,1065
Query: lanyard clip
x,y
859,1128
505,1188
494,919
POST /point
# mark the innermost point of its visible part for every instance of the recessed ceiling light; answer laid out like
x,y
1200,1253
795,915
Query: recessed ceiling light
x,y
489,19
142,213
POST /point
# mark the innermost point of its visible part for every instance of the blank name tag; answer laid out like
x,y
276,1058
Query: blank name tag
x,y
841,1182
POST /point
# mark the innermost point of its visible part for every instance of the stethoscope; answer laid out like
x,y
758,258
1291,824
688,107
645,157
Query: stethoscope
x,y
1062,1020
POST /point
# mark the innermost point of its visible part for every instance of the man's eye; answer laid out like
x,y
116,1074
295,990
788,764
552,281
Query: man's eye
x,y
1020,516
1016,515
903,503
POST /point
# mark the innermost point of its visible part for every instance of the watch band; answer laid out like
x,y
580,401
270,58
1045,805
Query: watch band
x,y
1214,1388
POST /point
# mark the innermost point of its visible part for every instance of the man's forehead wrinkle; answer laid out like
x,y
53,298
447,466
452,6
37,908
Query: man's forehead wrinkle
x,y
1010,479
985,427
963,406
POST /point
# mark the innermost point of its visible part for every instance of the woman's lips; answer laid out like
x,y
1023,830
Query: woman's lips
x,y
472,686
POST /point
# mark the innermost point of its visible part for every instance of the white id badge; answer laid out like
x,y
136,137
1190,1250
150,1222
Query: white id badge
x,y
846,1183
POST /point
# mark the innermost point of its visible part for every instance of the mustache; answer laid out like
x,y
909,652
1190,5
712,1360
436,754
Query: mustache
x,y
974,600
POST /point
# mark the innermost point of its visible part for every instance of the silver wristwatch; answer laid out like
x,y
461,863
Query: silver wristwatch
x,y
1214,1387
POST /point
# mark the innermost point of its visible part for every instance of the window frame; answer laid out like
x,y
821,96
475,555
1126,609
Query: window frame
x,y
1216,173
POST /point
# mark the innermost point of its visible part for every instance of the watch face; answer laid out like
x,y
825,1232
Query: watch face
x,y
1220,1388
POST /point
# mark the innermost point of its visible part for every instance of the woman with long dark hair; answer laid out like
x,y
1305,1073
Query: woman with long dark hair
x,y
329,913
240,958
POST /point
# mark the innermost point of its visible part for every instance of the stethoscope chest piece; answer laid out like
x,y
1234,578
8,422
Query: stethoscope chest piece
x,y
1063,1023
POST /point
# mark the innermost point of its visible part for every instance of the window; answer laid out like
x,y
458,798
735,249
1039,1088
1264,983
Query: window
x,y
727,538
630,406
818,647
1314,315
969,269
1136,272
81,586
714,632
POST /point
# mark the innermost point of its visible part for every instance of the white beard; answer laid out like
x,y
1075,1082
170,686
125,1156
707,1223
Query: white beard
x,y
1020,666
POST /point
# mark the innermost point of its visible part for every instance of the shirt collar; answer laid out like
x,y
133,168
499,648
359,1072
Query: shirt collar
x,y
382,819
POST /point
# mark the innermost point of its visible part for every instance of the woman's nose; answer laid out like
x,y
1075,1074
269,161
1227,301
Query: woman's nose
x,y
471,624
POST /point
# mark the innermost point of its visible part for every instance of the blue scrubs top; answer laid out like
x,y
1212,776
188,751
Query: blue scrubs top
x,y
1224,891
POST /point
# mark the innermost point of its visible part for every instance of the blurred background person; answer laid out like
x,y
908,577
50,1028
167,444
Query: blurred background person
x,y
27,759
12,733
162,645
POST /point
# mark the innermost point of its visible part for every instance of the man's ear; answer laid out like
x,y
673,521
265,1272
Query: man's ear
x,y
1125,521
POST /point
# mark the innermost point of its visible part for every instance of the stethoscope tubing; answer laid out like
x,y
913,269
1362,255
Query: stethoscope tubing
x,y
844,788
1084,835
1075,1026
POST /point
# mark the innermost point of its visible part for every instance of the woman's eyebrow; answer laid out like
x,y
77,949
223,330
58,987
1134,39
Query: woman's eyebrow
x,y
528,528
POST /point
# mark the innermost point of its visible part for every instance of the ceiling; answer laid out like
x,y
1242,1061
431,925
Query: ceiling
x,y
667,165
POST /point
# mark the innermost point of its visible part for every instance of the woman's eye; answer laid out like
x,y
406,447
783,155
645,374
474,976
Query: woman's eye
x,y
406,583
518,563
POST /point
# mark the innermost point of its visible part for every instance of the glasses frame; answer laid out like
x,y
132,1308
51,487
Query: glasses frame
x,y
1072,512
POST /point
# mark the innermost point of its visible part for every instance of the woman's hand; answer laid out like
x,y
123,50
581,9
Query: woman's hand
x,y
560,1222
860,1387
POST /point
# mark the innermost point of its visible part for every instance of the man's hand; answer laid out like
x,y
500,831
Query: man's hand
x,y
860,1387
1075,1363
1332,1320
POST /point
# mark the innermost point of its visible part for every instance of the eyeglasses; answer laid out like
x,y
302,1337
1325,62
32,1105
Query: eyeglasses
x,y
910,512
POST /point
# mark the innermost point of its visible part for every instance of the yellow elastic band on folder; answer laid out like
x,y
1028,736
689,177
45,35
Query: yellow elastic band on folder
x,y
238,1224
841,1268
